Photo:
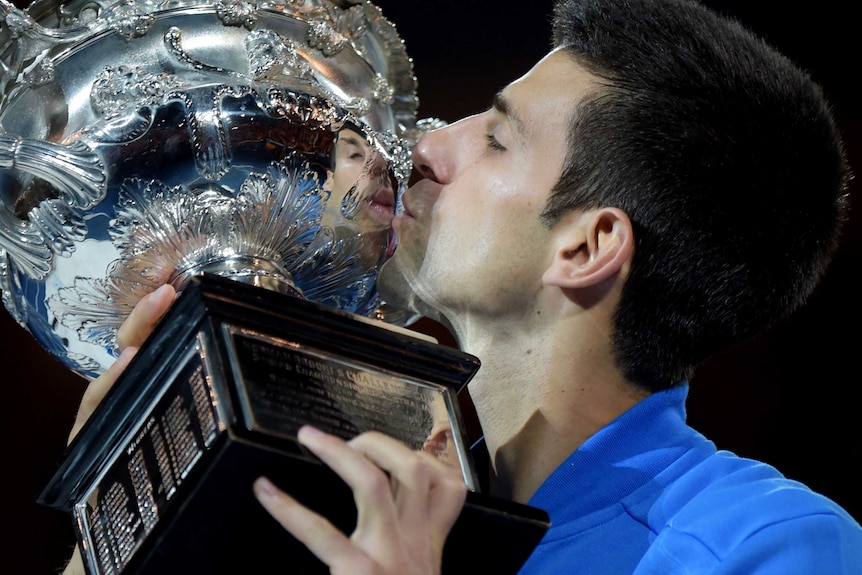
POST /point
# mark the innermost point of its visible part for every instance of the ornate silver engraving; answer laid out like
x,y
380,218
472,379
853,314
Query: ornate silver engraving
x,y
163,233
117,89
324,37
237,13
128,20
145,141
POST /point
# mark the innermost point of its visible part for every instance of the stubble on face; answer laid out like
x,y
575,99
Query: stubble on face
x,y
399,281
473,242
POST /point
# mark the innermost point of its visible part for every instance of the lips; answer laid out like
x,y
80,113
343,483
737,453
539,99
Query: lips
x,y
381,206
405,206
419,197
384,197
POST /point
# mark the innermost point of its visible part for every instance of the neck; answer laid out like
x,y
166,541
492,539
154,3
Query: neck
x,y
539,394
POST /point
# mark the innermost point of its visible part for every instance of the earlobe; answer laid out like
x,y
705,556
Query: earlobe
x,y
592,249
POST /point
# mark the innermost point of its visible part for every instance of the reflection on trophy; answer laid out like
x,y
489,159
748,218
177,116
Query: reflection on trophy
x,y
143,144
252,155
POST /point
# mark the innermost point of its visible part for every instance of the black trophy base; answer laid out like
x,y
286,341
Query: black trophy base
x,y
222,530
159,480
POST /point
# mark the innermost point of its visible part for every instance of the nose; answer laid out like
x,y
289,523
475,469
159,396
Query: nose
x,y
439,154
431,156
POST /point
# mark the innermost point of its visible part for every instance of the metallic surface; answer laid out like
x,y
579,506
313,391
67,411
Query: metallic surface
x,y
142,143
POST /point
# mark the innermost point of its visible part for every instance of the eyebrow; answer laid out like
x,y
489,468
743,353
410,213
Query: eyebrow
x,y
502,105
350,139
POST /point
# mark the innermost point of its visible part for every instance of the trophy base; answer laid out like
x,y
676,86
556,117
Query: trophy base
x,y
159,479
222,530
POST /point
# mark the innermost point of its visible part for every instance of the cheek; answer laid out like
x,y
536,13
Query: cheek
x,y
481,218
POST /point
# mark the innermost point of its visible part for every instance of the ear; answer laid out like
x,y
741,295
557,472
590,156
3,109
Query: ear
x,y
590,249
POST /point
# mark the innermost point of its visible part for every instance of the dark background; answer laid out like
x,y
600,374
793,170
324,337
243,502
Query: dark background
x,y
786,397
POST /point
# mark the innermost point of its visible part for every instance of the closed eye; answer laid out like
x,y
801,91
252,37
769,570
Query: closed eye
x,y
494,144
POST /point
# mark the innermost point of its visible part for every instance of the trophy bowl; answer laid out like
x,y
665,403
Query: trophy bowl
x,y
144,143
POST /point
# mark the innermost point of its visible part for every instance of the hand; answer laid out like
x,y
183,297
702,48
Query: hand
x,y
407,502
135,329
132,333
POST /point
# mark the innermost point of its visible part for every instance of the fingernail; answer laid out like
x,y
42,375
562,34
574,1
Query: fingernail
x,y
265,486
307,433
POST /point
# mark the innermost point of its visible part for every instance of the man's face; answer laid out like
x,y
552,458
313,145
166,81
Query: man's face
x,y
362,176
470,240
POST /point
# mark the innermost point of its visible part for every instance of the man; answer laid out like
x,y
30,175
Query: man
x,y
658,188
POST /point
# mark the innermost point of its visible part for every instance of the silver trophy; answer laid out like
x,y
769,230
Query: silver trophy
x,y
143,143
252,154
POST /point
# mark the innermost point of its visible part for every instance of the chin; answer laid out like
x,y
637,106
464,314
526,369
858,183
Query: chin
x,y
391,283
394,287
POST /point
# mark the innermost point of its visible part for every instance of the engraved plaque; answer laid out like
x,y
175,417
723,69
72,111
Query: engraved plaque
x,y
140,482
285,386
159,479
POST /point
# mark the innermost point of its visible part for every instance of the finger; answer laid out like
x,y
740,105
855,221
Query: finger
x,y
371,486
314,531
448,494
97,389
429,492
410,476
382,538
145,315
445,500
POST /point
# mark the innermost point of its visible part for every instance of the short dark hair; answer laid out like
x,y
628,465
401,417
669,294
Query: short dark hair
x,y
726,158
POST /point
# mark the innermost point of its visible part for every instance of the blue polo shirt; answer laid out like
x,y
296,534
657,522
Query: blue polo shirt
x,y
649,494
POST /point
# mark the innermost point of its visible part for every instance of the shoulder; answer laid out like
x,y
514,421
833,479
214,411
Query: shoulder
x,y
734,482
737,510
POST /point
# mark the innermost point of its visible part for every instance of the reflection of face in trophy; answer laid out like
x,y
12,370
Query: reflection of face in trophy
x,y
141,145
363,194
